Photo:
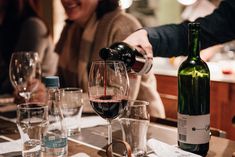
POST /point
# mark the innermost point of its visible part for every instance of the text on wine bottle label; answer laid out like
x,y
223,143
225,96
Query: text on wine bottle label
x,y
194,129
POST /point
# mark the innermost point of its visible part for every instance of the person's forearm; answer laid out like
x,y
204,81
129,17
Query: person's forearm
x,y
219,27
171,40
168,40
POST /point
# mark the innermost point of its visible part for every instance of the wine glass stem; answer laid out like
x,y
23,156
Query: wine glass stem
x,y
109,132
27,98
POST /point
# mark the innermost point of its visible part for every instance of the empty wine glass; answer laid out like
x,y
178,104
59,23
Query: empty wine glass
x,y
108,88
25,73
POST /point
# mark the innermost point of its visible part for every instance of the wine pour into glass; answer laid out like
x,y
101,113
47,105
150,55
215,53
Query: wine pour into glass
x,y
25,73
108,89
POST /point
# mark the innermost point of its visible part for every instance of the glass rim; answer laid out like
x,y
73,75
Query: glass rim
x,y
139,102
26,105
71,89
22,52
107,61
35,54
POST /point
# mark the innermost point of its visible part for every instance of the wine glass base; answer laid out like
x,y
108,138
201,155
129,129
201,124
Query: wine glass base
x,y
73,132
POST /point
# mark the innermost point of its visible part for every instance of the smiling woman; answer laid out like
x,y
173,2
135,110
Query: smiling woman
x,y
79,10
92,25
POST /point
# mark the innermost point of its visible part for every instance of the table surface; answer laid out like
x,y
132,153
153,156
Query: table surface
x,y
92,140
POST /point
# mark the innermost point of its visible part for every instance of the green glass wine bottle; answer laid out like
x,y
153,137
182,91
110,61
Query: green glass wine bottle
x,y
194,98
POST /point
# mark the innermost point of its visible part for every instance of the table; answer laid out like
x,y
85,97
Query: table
x,y
92,140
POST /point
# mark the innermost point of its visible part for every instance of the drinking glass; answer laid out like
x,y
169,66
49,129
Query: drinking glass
x,y
134,123
108,88
72,105
32,120
25,73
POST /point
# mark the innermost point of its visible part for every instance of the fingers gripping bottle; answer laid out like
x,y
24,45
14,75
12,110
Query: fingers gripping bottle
x,y
135,61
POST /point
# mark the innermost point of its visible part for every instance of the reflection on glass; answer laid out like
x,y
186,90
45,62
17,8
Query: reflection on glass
x,y
25,73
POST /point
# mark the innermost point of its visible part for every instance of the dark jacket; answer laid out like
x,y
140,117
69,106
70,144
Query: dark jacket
x,y
31,36
218,27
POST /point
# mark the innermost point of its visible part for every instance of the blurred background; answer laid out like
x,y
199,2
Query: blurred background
x,y
149,12
152,13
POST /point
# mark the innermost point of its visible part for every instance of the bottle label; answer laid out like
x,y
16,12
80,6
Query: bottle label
x,y
54,142
194,129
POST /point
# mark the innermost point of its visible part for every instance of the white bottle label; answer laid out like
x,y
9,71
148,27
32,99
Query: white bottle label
x,y
194,129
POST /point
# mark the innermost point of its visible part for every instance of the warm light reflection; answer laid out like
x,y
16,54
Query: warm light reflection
x,y
125,3
187,2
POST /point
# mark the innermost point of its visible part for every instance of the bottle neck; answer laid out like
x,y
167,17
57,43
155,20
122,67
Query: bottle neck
x,y
109,54
194,43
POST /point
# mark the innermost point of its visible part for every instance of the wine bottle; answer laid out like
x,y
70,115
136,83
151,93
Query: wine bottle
x,y
194,98
134,60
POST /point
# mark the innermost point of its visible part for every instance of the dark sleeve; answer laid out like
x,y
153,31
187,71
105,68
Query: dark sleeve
x,y
32,36
171,40
168,40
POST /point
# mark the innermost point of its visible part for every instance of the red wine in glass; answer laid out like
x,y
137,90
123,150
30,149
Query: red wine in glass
x,y
107,107
108,89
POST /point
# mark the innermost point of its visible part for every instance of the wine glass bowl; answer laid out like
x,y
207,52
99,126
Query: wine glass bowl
x,y
108,89
25,73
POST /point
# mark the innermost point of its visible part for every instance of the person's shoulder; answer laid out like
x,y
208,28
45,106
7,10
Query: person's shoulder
x,y
120,16
127,16
35,23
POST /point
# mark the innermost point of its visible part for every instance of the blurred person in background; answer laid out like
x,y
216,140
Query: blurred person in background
x,y
200,8
92,25
22,29
171,40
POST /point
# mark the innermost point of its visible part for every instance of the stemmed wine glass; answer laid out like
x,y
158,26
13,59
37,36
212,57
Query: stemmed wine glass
x,y
25,73
108,89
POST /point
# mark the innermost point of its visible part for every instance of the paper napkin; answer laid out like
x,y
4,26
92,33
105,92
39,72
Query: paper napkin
x,y
162,149
12,146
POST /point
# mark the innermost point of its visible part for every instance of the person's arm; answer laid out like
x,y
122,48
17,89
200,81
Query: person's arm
x,y
219,27
34,36
168,40
171,40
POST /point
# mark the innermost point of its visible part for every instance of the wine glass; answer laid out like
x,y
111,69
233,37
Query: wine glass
x,y
25,73
108,89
